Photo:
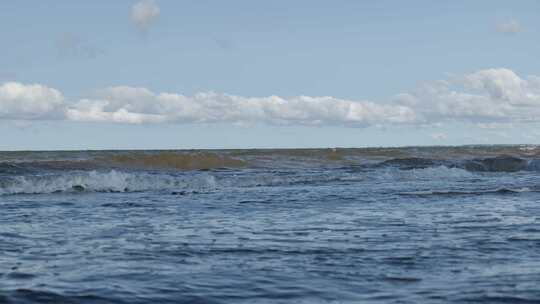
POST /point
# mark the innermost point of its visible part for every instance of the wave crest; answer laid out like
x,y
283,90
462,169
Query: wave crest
x,y
500,163
111,181
468,192
497,164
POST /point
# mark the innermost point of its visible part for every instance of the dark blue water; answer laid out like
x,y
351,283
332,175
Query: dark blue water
x,y
333,232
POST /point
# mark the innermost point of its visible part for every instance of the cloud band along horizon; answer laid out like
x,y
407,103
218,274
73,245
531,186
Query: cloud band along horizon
x,y
490,96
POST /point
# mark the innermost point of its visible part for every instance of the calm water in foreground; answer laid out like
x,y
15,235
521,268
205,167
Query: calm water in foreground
x,y
403,225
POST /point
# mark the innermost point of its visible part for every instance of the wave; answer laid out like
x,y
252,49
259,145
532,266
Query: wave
x,y
11,168
174,183
501,163
410,163
497,164
128,160
473,159
197,181
430,173
468,192
111,181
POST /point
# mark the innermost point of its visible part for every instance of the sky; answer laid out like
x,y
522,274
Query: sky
x,y
173,74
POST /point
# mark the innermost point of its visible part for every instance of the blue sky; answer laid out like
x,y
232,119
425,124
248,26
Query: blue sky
x,y
114,70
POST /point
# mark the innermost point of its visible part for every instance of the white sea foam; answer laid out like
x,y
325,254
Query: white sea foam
x,y
121,181
111,181
529,147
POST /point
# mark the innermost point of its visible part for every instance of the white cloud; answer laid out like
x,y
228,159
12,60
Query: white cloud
x,y
509,27
32,101
492,95
95,110
144,12
140,105
489,99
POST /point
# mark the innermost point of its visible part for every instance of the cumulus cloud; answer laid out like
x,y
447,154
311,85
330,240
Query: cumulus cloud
x,y
491,95
32,101
144,13
509,27
489,98
96,111
140,105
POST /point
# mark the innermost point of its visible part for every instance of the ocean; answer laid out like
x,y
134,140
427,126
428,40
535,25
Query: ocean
x,y
370,225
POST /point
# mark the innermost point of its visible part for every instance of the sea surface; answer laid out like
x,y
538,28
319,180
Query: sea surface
x,y
373,225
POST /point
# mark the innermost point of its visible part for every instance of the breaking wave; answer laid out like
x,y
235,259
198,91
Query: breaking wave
x,y
197,181
492,164
180,171
467,192
138,181
111,181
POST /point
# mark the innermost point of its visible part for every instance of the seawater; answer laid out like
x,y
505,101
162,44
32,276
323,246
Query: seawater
x,y
377,225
